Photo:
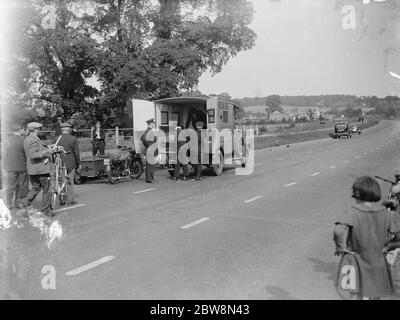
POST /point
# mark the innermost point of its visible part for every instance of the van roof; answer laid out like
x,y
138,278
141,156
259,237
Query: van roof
x,y
192,100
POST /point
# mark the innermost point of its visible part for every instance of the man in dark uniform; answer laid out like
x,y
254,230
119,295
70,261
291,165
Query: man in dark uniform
x,y
148,139
99,139
15,164
178,160
38,167
71,158
58,127
198,166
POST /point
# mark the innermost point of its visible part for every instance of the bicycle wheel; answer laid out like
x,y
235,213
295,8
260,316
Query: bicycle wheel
x,y
136,168
63,184
53,187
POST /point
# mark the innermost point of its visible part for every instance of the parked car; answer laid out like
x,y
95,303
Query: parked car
x,y
356,129
342,129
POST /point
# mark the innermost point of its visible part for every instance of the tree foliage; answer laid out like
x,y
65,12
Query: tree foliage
x,y
141,49
273,103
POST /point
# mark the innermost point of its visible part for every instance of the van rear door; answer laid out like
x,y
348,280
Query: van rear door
x,y
142,110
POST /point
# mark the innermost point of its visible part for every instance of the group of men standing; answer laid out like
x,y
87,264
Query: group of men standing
x,y
149,139
28,159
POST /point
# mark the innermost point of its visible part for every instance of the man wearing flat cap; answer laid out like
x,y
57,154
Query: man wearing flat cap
x,y
71,158
57,127
99,139
148,139
38,166
15,164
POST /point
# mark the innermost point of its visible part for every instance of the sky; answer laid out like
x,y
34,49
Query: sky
x,y
303,48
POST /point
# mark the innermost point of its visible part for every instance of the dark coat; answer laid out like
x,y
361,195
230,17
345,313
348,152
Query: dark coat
x,y
37,156
148,138
70,144
15,158
102,134
57,129
369,228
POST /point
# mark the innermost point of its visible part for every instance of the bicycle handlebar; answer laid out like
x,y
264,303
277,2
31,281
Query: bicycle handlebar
x,y
58,149
386,180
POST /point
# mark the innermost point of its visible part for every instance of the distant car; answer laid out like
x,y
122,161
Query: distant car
x,y
342,129
356,129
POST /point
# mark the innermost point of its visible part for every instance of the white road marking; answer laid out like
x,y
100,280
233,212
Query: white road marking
x,y
258,164
346,161
253,199
365,153
290,184
89,266
69,208
332,167
142,191
395,75
356,157
280,159
314,174
187,226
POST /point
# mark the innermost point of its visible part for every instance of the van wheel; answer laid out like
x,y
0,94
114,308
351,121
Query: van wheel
x,y
244,163
218,167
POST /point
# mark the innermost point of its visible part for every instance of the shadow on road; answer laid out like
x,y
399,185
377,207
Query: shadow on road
x,y
329,268
278,293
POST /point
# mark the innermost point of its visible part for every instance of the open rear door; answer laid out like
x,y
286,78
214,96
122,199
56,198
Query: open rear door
x,y
142,110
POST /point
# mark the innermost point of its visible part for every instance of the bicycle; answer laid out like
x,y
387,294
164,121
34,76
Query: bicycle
x,y
58,178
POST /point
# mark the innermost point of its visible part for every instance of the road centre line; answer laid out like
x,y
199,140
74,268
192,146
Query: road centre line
x,y
69,208
142,191
258,164
314,174
332,167
194,223
346,161
252,199
290,184
89,266
356,157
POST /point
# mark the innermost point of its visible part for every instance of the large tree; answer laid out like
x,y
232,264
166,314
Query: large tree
x,y
157,49
134,48
56,59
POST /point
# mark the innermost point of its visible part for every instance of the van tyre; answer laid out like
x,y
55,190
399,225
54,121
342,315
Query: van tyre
x,y
218,167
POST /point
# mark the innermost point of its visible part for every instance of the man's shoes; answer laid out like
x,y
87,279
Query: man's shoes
x,y
153,181
49,214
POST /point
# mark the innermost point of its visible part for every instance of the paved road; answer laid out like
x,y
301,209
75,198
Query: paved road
x,y
263,236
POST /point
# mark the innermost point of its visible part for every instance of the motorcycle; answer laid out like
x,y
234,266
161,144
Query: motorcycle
x,y
128,165
393,199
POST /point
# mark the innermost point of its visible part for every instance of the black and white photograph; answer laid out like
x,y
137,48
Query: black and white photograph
x,y
226,151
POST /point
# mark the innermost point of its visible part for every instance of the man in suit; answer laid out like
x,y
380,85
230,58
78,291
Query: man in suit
x,y
38,167
71,158
198,166
99,139
148,139
15,164
58,127
179,159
